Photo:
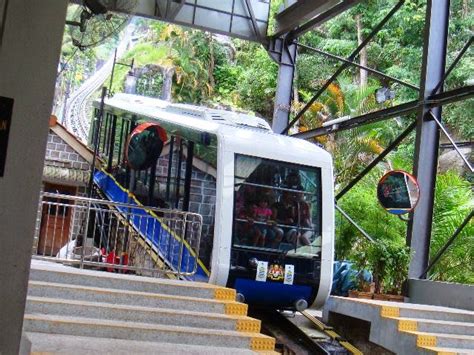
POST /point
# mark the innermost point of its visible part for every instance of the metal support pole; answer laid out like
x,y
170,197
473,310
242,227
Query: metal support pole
x,y
178,170
96,141
112,143
121,142
188,175
112,74
427,135
286,72
128,171
170,164
151,184
105,135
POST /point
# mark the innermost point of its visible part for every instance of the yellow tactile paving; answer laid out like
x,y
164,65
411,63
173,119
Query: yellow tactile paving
x,y
262,343
388,311
248,325
423,340
236,308
223,293
407,325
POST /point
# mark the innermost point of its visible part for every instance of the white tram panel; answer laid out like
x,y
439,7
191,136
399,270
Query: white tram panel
x,y
249,135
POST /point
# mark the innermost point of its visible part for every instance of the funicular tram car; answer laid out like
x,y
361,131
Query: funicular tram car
x,y
266,199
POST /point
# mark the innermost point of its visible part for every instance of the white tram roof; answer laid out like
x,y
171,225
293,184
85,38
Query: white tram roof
x,y
240,132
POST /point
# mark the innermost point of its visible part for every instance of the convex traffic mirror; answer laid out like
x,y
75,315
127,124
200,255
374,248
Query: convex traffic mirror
x,y
398,192
144,145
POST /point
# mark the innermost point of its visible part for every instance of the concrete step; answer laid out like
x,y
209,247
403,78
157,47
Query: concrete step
x,y
413,310
438,313
58,273
405,328
70,344
447,351
436,326
443,340
177,317
146,332
125,297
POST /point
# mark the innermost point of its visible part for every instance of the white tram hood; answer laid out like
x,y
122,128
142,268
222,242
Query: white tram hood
x,y
242,134
239,132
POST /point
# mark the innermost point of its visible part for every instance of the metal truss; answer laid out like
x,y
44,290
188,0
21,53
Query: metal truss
x,y
427,107
345,64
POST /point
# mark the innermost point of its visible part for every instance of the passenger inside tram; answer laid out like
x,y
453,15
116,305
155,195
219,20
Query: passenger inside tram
x,y
273,210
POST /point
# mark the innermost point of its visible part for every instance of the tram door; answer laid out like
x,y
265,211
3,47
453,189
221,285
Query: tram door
x,y
55,221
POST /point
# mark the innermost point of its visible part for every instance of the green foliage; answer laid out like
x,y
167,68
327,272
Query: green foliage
x,y
388,257
454,200
388,261
257,84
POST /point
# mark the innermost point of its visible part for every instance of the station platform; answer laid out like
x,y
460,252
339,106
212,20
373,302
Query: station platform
x,y
70,310
406,328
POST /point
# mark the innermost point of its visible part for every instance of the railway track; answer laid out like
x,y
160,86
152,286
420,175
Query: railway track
x,y
293,339
77,116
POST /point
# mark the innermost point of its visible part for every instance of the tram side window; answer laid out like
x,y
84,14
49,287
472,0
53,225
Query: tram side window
x,y
277,206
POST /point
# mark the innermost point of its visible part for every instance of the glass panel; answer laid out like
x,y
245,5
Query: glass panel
x,y
277,206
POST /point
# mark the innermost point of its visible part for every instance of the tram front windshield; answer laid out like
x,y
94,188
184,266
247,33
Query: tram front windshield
x,y
277,206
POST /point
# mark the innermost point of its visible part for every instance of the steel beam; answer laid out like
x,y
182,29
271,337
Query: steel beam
x,y
301,12
344,65
379,158
229,18
323,17
368,118
449,97
440,99
287,58
453,64
427,138
355,64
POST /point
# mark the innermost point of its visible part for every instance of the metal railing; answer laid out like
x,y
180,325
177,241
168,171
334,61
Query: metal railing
x,y
117,237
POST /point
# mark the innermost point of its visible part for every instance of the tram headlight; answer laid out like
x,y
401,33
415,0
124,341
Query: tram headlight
x,y
301,305
240,297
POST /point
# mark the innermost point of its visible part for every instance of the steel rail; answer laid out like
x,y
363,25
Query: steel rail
x,y
331,333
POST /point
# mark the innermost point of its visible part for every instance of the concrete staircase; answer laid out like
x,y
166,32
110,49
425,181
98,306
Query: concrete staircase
x,y
82,311
406,328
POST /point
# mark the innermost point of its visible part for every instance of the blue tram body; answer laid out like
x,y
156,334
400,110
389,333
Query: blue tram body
x,y
266,199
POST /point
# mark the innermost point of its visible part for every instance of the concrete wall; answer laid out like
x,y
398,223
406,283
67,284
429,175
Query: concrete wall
x,y
29,56
446,294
